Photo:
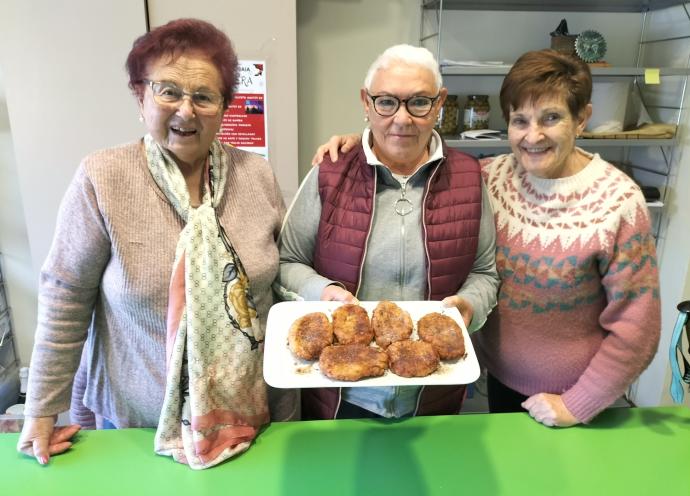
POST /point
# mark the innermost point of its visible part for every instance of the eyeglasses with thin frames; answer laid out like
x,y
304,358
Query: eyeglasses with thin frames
x,y
167,94
417,106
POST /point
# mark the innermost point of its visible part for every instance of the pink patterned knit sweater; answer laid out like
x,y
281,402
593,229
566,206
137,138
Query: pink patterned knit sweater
x,y
578,310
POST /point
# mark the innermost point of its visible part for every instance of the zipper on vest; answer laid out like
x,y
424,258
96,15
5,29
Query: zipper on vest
x,y
424,230
366,241
403,258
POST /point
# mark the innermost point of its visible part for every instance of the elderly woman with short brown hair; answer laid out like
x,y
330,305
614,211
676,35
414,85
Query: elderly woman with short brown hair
x,y
162,262
578,315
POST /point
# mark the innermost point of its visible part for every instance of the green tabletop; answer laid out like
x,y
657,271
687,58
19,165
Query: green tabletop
x,y
627,451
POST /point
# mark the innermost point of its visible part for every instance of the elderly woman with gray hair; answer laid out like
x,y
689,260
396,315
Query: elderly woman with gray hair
x,y
398,217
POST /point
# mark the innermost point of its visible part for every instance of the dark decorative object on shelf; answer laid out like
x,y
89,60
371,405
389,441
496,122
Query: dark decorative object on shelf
x,y
590,46
561,40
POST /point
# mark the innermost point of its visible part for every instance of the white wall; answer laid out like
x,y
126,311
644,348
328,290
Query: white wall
x,y
337,41
66,95
15,258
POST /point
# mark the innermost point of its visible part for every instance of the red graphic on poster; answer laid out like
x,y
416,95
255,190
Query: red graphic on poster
x,y
243,122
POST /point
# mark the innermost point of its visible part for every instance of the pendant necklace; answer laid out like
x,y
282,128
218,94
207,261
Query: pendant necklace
x,y
402,205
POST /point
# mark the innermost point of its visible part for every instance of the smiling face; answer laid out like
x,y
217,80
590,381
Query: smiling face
x,y
401,140
179,128
542,137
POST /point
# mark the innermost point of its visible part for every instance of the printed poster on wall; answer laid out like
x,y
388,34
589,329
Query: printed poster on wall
x,y
244,122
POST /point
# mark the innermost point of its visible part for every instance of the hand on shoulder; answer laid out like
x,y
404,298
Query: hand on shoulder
x,y
343,143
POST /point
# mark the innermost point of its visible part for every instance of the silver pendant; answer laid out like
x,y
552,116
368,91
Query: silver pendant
x,y
403,206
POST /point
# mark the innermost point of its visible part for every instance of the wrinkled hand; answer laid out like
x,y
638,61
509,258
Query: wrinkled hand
x,y
343,143
550,410
463,306
40,438
336,293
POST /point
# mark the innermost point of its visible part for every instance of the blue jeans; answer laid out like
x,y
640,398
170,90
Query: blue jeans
x,y
107,424
348,410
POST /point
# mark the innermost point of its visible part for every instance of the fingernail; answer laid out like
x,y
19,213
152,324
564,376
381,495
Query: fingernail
x,y
43,460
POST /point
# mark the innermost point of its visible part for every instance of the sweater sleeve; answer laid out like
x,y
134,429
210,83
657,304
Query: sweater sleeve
x,y
631,318
68,288
297,277
481,286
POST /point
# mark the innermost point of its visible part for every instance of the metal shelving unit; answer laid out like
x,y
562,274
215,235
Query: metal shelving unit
x,y
9,366
597,143
502,70
554,5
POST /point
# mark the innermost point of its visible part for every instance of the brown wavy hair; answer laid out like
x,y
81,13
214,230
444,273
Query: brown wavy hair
x,y
548,73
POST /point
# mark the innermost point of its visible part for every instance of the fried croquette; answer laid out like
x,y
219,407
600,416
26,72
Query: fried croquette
x,y
390,323
310,334
443,333
351,325
412,358
352,362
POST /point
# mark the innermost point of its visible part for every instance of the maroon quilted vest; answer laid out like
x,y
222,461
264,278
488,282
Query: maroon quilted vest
x,y
452,213
451,218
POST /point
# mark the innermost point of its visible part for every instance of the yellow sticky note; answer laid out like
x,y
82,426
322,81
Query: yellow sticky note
x,y
651,76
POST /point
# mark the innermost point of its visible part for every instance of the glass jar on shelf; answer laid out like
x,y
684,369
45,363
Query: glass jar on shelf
x,y
476,113
450,116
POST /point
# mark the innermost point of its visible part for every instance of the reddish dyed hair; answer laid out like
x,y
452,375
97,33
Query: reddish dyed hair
x,y
181,37
547,73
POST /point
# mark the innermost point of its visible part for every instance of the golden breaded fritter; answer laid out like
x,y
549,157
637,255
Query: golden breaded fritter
x,y
351,325
412,358
390,323
352,362
443,333
310,334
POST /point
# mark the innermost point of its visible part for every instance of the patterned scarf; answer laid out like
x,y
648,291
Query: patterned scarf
x,y
215,396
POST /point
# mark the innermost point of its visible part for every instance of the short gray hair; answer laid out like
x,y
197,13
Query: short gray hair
x,y
405,54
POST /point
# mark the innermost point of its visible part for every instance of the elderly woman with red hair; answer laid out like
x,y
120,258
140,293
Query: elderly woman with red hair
x,y
162,263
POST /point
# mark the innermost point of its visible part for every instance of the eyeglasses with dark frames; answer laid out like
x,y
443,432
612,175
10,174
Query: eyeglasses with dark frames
x,y
168,94
417,106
